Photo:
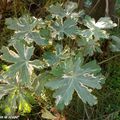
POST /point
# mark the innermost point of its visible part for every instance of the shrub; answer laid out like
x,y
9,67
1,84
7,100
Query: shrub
x,y
64,38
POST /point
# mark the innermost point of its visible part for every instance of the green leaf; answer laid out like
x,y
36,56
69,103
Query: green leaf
x,y
102,23
92,67
95,29
45,33
15,97
70,7
25,23
59,54
21,63
57,71
9,89
115,44
1,78
35,36
24,106
105,23
57,10
89,46
50,57
11,103
9,56
25,29
69,28
39,83
37,64
68,11
76,77
54,57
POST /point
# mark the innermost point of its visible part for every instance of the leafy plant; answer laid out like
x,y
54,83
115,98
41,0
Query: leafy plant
x,y
72,35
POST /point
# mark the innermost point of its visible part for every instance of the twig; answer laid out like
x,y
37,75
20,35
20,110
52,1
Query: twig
x,y
108,59
105,117
86,112
107,8
94,7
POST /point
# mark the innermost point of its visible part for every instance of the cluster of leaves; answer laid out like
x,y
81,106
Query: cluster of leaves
x,y
72,35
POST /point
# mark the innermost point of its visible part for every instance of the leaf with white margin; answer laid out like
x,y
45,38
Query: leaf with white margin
x,y
76,77
20,60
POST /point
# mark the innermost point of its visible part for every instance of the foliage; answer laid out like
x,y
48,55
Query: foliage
x,y
73,36
114,45
75,77
21,65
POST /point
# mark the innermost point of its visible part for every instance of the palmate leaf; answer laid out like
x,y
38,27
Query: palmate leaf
x,y
105,23
21,61
102,23
58,10
24,23
70,7
96,28
76,77
69,28
24,29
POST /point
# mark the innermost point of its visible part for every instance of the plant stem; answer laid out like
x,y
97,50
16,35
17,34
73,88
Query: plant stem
x,y
108,59
86,112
